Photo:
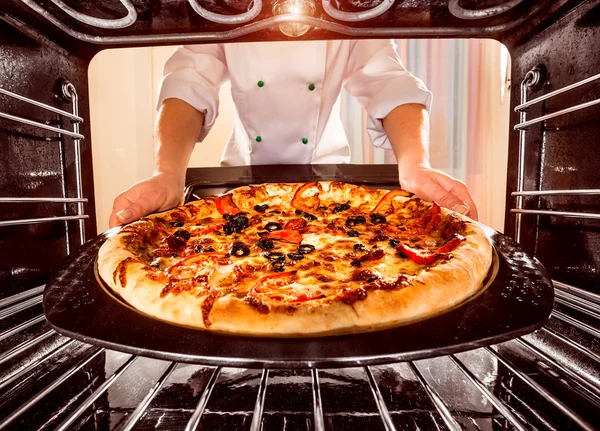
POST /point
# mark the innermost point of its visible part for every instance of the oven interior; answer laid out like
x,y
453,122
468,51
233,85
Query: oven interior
x,y
547,380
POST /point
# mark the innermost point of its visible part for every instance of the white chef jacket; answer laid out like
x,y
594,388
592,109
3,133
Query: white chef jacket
x,y
285,94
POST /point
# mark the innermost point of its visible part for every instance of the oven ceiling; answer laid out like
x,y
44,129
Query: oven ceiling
x,y
106,23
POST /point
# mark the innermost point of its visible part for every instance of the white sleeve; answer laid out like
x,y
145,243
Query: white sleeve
x,y
194,74
376,77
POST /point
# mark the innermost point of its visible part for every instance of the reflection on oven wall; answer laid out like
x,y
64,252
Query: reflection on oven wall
x,y
469,119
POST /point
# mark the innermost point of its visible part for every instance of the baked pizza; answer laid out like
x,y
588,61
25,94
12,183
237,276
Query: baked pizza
x,y
310,259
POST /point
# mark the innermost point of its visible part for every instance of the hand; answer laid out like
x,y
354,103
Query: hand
x,y
433,185
157,193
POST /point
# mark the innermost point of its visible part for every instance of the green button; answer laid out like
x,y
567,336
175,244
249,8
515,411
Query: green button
x,y
260,84
311,87
305,141
258,139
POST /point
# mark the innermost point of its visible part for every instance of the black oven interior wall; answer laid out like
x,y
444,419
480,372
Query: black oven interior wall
x,y
38,163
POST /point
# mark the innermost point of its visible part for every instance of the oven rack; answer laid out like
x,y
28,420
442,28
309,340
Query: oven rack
x,y
534,78
69,93
550,349
246,23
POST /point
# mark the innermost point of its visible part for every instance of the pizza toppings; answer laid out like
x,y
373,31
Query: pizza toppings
x,y
225,205
272,226
384,206
340,207
306,248
287,235
239,249
265,244
353,221
275,256
427,257
377,218
261,208
306,197
353,233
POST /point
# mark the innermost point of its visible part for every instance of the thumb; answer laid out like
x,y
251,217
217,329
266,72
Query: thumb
x,y
450,201
135,211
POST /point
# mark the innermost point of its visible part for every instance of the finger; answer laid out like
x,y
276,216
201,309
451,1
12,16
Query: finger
x,y
134,211
460,191
121,202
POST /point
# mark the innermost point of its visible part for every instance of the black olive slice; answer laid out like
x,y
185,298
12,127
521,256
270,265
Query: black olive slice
x,y
295,256
355,263
353,221
306,248
265,243
201,249
353,233
176,223
340,207
377,219
241,221
239,249
273,226
359,247
275,256
175,242
278,266
181,233
227,217
394,242
261,208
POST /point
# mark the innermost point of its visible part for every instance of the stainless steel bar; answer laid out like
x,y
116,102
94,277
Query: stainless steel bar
x,y
40,125
589,310
437,401
41,200
44,392
23,305
317,401
21,327
124,22
460,12
20,348
227,19
524,124
590,296
526,105
41,105
21,296
41,220
6,382
582,349
66,424
391,32
560,406
583,383
557,192
195,419
70,93
381,406
498,405
557,213
65,193
132,419
256,424
380,9
576,323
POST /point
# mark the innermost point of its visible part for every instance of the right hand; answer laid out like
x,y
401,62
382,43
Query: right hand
x,y
160,192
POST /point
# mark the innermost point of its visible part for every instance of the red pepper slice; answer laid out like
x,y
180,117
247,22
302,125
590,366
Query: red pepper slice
x,y
427,257
304,298
308,203
384,207
196,256
269,277
430,218
295,224
225,205
208,229
287,235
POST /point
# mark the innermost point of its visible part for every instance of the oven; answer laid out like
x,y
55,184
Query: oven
x,y
547,380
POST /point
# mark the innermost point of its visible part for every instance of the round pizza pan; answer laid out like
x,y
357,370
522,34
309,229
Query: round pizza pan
x,y
517,299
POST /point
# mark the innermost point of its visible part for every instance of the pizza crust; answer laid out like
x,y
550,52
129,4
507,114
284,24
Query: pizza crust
x,y
435,290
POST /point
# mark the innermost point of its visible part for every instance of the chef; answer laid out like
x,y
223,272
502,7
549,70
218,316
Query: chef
x,y
285,94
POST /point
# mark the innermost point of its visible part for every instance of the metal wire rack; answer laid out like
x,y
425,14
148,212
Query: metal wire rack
x,y
69,93
447,383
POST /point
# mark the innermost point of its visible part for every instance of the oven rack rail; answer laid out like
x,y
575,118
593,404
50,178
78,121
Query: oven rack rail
x,y
533,79
584,382
69,93
246,24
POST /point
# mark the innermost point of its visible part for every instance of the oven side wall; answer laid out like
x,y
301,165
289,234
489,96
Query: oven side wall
x,y
38,163
560,153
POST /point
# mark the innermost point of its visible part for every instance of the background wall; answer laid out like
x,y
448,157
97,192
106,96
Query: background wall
x,y
469,121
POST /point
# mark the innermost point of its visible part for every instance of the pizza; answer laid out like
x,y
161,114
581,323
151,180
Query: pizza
x,y
292,260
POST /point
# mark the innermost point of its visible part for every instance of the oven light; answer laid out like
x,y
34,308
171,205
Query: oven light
x,y
294,7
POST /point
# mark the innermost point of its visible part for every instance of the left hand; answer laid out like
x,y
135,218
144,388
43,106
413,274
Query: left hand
x,y
434,185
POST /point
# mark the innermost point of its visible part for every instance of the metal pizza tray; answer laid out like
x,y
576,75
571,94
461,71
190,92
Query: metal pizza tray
x,y
517,299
